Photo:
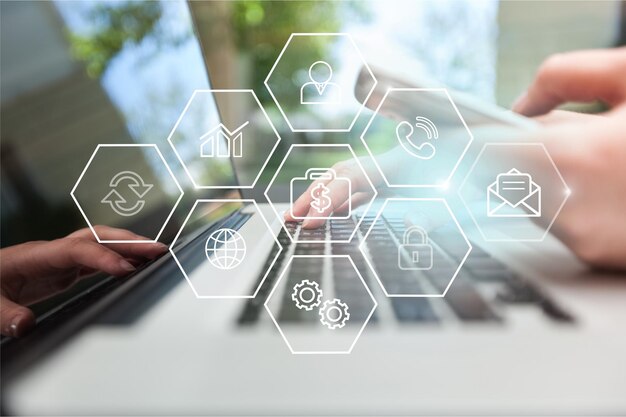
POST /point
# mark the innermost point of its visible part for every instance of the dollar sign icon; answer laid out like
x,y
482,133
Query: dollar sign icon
x,y
321,200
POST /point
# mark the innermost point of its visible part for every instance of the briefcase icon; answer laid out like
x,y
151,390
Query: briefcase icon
x,y
415,256
321,196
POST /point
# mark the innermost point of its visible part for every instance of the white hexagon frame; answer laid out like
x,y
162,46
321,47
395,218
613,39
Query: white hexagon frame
x,y
225,200
323,352
358,51
443,185
319,145
456,272
229,187
469,173
127,145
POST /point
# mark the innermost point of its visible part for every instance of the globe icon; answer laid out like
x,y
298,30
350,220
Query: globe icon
x,y
225,249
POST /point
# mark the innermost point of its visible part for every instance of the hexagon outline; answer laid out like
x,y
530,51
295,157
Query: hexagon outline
x,y
547,229
358,51
323,352
379,214
127,145
225,200
317,145
229,187
456,165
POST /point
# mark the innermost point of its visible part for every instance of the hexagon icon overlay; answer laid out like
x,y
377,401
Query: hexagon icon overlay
x,y
417,137
317,93
514,191
121,183
423,258
312,315
208,145
292,178
225,263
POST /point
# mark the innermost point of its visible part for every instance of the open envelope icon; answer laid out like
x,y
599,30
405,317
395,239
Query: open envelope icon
x,y
513,190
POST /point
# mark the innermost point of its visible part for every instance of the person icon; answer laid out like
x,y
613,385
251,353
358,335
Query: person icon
x,y
320,90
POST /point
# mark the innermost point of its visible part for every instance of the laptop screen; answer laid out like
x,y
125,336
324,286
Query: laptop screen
x,y
79,74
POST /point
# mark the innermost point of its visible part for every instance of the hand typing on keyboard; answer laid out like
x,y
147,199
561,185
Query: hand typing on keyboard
x,y
361,192
34,271
588,150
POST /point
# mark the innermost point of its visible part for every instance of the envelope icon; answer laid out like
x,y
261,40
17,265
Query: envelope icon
x,y
512,190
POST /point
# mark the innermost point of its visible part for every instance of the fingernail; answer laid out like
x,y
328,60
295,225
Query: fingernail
x,y
13,330
126,266
160,246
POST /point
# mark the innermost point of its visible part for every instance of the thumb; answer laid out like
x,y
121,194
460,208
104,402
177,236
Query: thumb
x,y
15,320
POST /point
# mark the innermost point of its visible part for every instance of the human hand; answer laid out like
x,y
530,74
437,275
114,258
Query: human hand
x,y
34,271
590,150
360,188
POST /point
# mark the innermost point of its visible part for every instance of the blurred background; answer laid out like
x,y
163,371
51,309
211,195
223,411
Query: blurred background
x,y
76,74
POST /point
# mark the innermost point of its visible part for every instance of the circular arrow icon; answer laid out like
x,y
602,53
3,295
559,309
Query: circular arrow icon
x,y
136,184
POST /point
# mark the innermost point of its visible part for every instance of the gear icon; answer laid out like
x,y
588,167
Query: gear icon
x,y
334,314
307,295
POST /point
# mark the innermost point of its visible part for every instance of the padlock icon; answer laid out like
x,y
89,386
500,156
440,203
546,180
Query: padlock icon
x,y
320,195
415,256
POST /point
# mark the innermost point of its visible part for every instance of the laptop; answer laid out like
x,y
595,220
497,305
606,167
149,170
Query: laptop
x,y
524,329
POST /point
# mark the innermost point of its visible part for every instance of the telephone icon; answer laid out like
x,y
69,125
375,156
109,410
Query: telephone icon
x,y
423,150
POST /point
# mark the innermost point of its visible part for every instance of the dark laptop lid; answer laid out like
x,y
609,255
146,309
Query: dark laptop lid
x,y
77,74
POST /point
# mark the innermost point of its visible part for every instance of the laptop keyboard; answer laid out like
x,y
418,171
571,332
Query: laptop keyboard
x,y
481,293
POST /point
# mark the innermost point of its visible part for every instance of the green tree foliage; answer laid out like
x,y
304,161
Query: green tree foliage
x,y
261,29
118,25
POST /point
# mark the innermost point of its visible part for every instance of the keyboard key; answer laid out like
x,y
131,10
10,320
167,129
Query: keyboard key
x,y
289,312
555,312
403,284
518,293
309,250
413,310
468,304
482,263
359,310
492,275
464,300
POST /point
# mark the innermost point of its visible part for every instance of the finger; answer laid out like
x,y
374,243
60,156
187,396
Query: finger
x,y
131,250
356,200
582,76
348,169
338,190
139,251
302,205
15,320
71,252
107,233
312,223
556,117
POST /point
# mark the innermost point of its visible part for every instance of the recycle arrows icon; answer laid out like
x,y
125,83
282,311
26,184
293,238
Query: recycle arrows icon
x,y
136,184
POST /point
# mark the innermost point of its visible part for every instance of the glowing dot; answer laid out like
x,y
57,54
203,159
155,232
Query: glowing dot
x,y
568,191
